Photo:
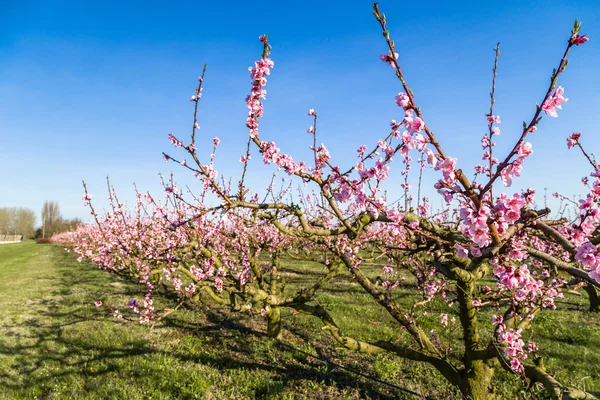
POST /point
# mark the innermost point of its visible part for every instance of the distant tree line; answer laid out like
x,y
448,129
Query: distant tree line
x,y
22,221
53,222
17,221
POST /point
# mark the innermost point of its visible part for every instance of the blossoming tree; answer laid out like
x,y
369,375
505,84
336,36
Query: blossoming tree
x,y
230,253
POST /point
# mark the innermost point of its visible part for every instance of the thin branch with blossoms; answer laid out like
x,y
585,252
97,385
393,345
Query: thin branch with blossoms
x,y
550,101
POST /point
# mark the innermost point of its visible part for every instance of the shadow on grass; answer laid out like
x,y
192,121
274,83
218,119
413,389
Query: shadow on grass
x,y
40,340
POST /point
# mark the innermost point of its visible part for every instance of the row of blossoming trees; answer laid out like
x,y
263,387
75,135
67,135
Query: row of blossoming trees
x,y
229,254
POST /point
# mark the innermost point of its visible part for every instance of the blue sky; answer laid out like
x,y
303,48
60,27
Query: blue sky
x,y
93,88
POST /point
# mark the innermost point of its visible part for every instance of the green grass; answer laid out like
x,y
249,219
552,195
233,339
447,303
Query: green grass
x,y
54,344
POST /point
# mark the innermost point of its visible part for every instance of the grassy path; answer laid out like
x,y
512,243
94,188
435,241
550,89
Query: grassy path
x,y
54,344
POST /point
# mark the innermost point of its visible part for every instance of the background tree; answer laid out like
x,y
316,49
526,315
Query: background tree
x,y
24,222
17,221
50,217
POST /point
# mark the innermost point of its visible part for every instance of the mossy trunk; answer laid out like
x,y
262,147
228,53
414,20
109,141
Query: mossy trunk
x,y
477,376
477,382
274,322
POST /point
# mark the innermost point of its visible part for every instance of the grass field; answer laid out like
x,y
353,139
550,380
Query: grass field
x,y
54,344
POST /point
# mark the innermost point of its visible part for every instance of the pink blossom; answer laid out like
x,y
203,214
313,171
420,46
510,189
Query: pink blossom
x,y
389,59
432,158
515,364
554,102
174,141
403,100
587,256
444,319
362,149
312,112
573,140
461,252
190,289
98,304
476,251
448,167
525,149
494,119
580,39
414,125
219,284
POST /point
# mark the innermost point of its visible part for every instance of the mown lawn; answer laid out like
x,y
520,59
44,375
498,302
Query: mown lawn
x,y
54,344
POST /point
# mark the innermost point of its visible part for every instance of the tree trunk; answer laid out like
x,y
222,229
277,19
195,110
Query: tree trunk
x,y
477,382
274,322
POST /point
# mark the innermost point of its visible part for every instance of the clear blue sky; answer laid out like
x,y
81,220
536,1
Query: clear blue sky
x,y
93,88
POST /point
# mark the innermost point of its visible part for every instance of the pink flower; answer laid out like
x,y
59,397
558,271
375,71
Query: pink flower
x,y
403,100
174,141
595,274
312,112
476,251
414,125
580,39
586,255
497,319
310,129
573,140
362,149
461,252
448,168
525,149
216,141
444,319
515,364
431,158
98,304
494,118
554,102
388,59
